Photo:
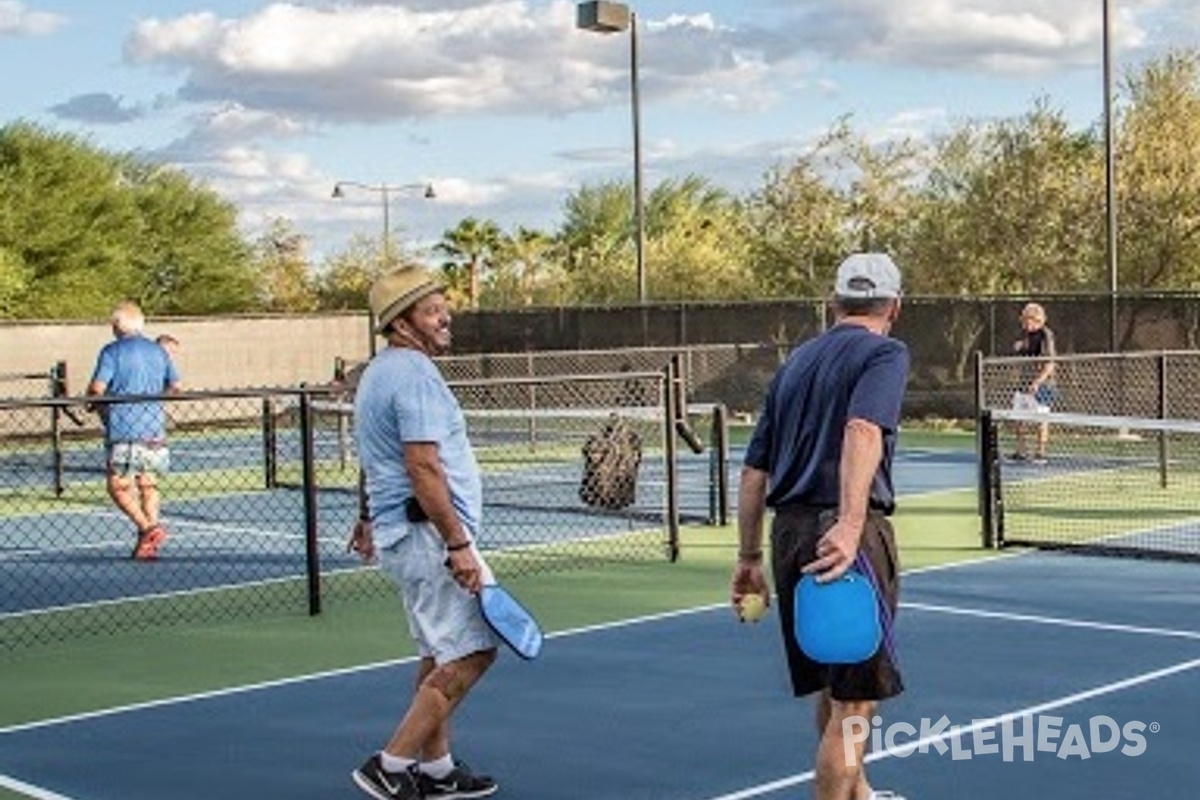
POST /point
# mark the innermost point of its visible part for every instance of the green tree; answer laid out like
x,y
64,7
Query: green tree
x,y
525,270
82,229
796,224
694,246
469,248
62,207
287,283
1158,176
598,244
190,257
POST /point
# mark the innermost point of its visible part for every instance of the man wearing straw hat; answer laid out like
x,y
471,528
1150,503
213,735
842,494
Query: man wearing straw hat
x,y
422,499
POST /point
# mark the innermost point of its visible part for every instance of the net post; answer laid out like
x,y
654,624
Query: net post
x,y
980,405
671,456
989,489
719,460
1164,454
312,557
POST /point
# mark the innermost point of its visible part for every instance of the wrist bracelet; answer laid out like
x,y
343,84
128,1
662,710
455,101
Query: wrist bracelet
x,y
450,548
750,555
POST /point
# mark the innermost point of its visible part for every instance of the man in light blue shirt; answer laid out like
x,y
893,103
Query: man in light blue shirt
x,y
422,503
135,433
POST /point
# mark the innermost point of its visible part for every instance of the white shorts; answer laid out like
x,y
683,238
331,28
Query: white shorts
x,y
443,618
138,458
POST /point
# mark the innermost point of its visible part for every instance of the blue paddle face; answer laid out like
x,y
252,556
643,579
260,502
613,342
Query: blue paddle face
x,y
511,621
838,622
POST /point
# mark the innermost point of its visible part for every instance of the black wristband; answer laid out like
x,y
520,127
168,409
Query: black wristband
x,y
463,545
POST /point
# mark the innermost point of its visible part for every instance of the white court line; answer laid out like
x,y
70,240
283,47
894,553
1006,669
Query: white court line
x,y
1044,620
29,790
316,676
976,725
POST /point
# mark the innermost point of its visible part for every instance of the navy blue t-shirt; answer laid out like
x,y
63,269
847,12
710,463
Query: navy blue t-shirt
x,y
847,372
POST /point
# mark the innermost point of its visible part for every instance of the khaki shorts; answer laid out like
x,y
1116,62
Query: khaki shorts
x,y
794,535
443,618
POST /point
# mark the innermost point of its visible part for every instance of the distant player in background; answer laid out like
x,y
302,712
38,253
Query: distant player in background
x,y
170,344
1037,379
135,433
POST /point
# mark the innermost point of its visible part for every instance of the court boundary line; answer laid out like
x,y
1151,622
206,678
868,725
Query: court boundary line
x,y
1066,622
394,662
1078,697
29,790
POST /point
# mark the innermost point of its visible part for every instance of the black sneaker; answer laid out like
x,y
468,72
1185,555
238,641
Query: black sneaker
x,y
460,783
373,779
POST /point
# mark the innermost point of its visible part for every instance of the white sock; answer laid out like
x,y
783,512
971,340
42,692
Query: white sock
x,y
393,763
439,767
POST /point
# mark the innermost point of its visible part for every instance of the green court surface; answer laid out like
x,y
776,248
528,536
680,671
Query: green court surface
x,y
106,671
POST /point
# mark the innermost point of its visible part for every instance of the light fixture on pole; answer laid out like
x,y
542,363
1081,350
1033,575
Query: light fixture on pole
x,y
384,190
601,16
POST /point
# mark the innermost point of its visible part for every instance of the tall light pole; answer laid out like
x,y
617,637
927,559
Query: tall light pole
x,y
1110,176
385,191
601,16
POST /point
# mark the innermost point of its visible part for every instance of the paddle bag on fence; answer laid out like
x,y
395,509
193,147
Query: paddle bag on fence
x,y
611,457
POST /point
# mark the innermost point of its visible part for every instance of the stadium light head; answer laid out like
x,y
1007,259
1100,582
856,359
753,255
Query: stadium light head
x,y
601,16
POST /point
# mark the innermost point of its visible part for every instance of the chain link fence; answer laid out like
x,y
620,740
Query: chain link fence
x,y
261,494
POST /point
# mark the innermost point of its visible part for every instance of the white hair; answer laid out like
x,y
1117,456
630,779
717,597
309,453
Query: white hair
x,y
127,318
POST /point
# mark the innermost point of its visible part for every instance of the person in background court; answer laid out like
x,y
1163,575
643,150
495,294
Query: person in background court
x,y
170,344
1037,378
135,433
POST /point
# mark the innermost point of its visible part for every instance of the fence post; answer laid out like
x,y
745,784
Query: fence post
x,y
670,455
311,545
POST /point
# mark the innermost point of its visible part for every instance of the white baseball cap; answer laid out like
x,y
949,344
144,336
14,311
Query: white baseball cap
x,y
867,276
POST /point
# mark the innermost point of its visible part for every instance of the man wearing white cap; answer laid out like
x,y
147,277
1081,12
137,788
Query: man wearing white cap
x,y
821,459
420,516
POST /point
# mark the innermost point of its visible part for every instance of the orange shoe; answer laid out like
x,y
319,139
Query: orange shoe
x,y
148,543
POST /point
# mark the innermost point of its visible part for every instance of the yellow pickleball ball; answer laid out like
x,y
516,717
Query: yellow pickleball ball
x,y
753,607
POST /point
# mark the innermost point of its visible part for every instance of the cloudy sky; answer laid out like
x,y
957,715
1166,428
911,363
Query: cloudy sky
x,y
505,107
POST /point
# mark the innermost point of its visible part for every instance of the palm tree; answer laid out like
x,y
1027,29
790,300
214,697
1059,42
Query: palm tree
x,y
470,245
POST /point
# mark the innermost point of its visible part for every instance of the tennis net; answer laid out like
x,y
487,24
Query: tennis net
x,y
1107,484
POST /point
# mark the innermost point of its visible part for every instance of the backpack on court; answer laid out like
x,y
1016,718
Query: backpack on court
x,y
611,458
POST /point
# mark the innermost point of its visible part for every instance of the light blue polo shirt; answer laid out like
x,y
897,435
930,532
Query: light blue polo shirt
x,y
402,397
132,365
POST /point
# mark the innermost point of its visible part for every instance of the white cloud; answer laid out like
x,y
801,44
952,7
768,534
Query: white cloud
x,y
985,35
16,19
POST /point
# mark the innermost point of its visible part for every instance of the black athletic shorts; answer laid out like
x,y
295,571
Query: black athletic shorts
x,y
794,534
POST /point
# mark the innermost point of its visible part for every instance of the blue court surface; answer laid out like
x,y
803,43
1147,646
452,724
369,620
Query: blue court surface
x,y
1093,663
261,533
